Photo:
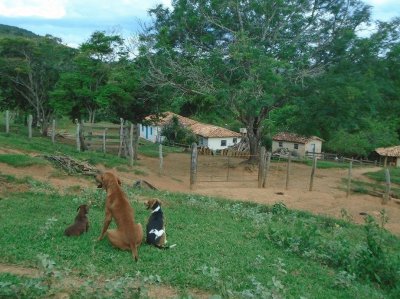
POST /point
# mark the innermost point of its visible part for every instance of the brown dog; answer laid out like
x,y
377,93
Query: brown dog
x,y
128,235
81,223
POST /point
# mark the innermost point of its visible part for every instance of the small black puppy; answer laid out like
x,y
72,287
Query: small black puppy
x,y
81,223
155,228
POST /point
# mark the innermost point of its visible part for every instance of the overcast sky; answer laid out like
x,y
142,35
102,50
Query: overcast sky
x,y
75,20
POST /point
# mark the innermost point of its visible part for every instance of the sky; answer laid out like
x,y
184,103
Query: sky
x,y
75,20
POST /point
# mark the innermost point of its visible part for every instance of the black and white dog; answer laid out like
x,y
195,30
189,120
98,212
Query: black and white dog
x,y
155,228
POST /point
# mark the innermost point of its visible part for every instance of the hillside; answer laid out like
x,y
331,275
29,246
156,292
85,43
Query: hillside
x,y
8,31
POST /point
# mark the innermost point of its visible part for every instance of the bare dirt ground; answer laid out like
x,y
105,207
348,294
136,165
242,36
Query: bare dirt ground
x,y
327,198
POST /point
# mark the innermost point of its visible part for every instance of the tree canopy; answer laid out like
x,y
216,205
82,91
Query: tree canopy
x,y
248,57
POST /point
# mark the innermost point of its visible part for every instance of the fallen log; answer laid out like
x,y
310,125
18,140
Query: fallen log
x,y
72,166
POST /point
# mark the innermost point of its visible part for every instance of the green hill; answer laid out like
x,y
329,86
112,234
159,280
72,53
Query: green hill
x,y
7,31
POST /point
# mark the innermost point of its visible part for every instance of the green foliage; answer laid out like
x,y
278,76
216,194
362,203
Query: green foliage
x,y
29,70
348,144
244,65
86,87
175,132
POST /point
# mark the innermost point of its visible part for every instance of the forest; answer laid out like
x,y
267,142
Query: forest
x,y
321,68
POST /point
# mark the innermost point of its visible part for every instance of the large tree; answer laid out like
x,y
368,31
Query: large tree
x,y
29,69
355,104
247,56
84,88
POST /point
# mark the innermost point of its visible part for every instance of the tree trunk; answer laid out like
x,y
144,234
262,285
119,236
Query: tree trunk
x,y
254,134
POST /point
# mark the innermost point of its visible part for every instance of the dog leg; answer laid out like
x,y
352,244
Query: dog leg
x,y
134,251
107,222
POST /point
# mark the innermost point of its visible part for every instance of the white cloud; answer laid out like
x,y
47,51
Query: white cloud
x,y
48,9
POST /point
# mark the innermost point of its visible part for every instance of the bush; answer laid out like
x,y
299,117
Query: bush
x,y
174,132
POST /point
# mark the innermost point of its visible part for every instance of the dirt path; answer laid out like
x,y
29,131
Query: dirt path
x,y
71,282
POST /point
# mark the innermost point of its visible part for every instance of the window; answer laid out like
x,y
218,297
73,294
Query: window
x,y
223,142
234,140
142,128
280,144
296,146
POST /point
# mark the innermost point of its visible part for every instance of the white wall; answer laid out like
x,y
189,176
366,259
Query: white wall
x,y
151,133
310,147
215,143
302,148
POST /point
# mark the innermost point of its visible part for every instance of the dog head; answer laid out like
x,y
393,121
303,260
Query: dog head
x,y
152,204
107,179
83,209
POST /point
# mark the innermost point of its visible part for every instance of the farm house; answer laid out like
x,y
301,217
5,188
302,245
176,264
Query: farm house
x,y
391,155
298,145
213,137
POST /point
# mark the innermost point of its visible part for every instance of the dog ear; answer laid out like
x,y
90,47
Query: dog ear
x,y
119,182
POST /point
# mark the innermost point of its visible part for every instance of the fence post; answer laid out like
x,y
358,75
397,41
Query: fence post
x,y
7,121
268,163
121,136
193,166
349,178
261,167
131,145
386,197
160,154
288,170
30,120
53,131
136,143
104,140
314,166
78,140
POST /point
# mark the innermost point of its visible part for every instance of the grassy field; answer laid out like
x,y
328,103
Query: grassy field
x,y
236,249
224,248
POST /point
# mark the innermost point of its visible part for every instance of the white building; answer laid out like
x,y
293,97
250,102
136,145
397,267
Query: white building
x,y
297,144
213,137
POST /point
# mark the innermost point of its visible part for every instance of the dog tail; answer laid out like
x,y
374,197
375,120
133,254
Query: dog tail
x,y
165,246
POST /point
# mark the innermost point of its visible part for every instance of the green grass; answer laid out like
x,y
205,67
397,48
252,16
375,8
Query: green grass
x,y
370,188
18,160
45,146
328,164
223,247
379,176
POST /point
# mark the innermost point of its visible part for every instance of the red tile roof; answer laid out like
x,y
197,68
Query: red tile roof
x,y
197,128
393,151
292,137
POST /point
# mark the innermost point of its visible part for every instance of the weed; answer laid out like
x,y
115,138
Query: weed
x,y
344,279
48,270
44,230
